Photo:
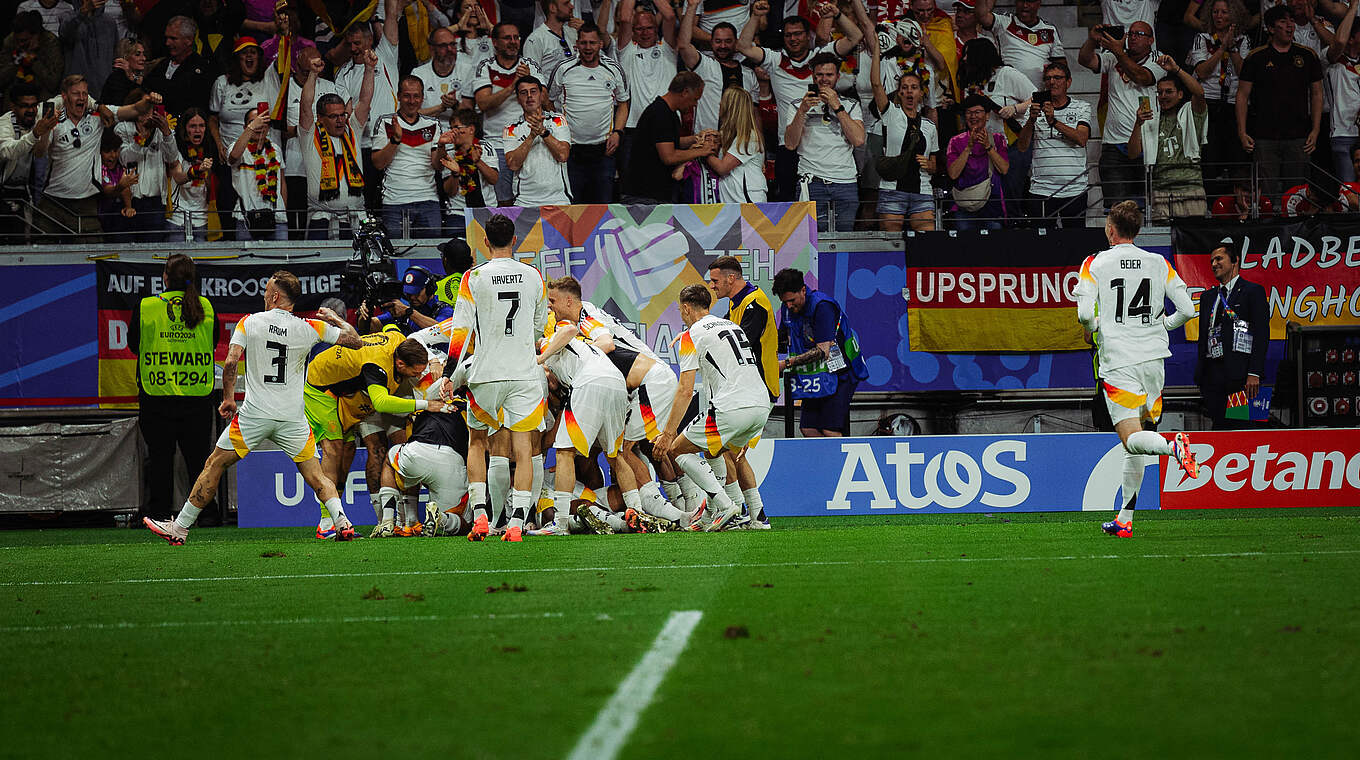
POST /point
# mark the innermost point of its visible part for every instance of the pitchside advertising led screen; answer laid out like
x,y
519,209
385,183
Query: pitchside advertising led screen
x,y
1276,468
1055,472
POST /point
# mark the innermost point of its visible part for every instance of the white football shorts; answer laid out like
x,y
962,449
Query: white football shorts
x,y
650,404
245,434
1135,391
727,428
516,404
439,468
595,413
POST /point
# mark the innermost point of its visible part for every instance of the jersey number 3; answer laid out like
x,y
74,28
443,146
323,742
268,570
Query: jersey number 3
x,y
280,362
1140,306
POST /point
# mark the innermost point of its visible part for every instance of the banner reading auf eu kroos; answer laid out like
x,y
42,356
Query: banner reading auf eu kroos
x,y
234,289
632,261
1002,290
1310,267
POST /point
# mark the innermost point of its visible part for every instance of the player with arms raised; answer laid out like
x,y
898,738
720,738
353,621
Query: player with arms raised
x,y
502,309
739,403
277,343
1127,287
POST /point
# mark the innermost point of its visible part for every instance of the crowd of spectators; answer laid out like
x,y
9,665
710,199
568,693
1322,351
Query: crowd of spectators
x,y
273,119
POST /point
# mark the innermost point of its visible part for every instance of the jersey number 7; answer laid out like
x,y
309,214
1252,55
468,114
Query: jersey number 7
x,y
513,298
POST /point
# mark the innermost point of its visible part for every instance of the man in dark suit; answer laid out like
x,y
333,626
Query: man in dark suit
x,y
1234,331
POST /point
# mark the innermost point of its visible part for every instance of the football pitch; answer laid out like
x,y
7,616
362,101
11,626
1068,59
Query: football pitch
x,y
1209,634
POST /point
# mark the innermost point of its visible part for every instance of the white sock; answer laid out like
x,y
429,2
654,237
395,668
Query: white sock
x,y
1148,442
537,488
335,509
326,521
733,491
477,498
691,491
410,505
613,520
1134,465
450,523
699,471
719,466
673,493
498,486
753,503
653,503
632,500
388,497
562,503
187,514
520,501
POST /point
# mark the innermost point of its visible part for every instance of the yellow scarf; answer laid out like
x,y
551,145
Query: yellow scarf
x,y
418,29
283,66
331,167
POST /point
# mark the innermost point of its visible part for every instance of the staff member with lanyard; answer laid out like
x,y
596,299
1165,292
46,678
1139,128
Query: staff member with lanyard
x,y
174,335
824,354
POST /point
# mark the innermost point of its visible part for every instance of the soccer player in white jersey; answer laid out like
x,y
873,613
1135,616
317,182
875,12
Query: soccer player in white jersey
x,y
595,413
277,344
651,386
1121,296
739,404
502,309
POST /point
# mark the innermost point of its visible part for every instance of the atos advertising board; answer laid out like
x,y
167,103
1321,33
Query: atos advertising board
x,y
1051,472
1268,468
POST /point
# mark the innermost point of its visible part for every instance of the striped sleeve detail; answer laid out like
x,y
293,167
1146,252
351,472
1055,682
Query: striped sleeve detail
x,y
241,325
319,326
686,345
1086,270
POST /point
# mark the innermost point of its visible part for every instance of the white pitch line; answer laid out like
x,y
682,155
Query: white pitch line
x,y
127,625
704,566
618,717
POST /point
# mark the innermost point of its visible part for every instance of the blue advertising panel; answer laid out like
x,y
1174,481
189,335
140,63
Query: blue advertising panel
x,y
1052,472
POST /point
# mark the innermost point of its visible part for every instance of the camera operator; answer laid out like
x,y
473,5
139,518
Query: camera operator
x,y
421,308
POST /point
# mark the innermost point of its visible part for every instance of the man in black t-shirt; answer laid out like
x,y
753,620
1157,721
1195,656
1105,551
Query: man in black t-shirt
x,y
658,147
1281,87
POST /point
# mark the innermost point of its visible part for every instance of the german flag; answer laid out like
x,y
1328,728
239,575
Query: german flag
x,y
340,15
1005,290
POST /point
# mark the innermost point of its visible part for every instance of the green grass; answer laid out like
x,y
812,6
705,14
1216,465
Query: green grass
x,y
1224,634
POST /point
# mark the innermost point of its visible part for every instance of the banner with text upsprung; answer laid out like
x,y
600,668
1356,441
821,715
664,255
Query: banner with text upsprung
x,y
632,261
1309,267
1052,472
1001,290
234,289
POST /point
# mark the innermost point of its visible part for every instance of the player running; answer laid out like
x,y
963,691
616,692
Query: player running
x,y
1128,288
502,309
277,343
739,403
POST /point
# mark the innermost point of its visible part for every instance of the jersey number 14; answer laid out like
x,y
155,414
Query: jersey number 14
x,y
1140,306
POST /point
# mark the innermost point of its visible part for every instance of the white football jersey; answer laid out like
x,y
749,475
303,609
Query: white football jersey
x,y
580,363
1122,293
502,309
277,343
722,354
595,321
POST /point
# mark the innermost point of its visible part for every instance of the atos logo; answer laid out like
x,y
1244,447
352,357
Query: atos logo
x,y
950,479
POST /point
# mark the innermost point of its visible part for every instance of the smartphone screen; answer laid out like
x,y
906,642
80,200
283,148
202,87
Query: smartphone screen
x,y
49,108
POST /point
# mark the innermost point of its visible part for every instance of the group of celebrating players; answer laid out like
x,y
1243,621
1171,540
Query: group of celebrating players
x,y
507,382
472,404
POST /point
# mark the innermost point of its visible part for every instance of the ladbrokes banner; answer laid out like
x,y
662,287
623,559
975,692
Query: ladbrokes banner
x,y
234,290
633,260
1310,268
1006,290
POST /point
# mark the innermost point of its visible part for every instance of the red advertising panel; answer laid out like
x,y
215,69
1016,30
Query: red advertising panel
x,y
1267,468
